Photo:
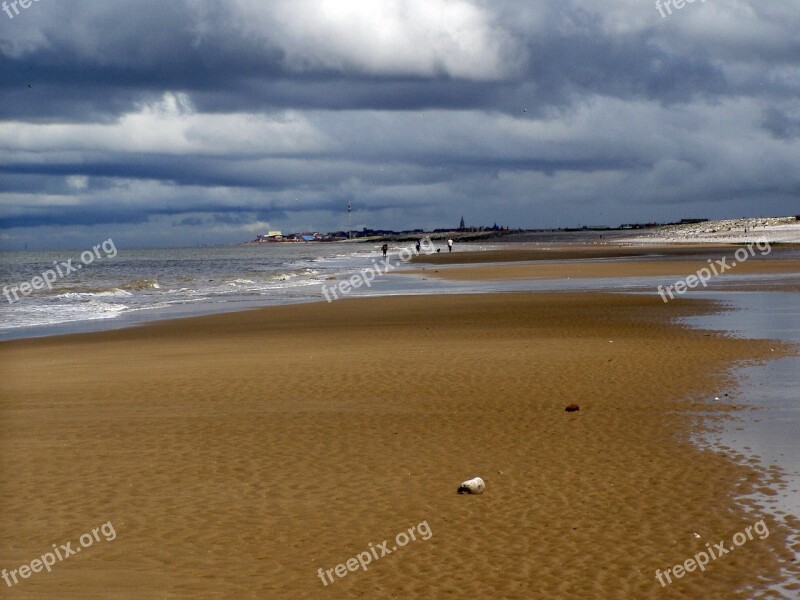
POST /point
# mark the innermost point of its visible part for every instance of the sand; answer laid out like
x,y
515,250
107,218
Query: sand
x,y
539,252
776,230
588,262
680,269
237,454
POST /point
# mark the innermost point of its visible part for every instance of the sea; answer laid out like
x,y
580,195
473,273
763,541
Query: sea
x,y
115,287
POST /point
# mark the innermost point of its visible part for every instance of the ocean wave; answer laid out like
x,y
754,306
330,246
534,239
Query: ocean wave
x,y
295,273
120,291
85,296
89,310
138,285
155,280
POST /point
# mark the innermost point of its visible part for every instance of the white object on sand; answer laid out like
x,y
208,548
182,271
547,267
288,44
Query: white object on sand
x,y
472,486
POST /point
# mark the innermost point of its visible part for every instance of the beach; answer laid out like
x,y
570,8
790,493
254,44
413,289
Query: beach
x,y
622,270
419,299
239,454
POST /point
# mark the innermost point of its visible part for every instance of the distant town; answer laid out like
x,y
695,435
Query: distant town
x,y
460,233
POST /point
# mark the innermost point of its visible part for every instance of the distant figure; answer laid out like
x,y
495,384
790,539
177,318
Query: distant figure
x,y
385,249
418,246
449,245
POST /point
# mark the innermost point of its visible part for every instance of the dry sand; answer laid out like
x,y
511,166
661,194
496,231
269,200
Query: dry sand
x,y
776,230
237,454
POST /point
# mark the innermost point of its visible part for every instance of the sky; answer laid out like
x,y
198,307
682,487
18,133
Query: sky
x,y
184,122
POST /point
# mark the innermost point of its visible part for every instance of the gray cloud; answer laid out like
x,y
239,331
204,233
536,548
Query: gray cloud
x,y
192,120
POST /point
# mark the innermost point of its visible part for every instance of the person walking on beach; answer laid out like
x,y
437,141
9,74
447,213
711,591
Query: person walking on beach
x,y
449,245
385,249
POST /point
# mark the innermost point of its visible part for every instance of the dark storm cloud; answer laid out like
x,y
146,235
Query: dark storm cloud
x,y
221,118
780,124
65,217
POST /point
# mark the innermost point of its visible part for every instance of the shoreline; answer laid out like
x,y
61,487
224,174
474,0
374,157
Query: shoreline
x,y
576,267
620,268
535,252
162,404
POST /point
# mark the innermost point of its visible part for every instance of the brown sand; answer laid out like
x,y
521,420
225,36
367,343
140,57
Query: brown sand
x,y
236,454
532,252
679,268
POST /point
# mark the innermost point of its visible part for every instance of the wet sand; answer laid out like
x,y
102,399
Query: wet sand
x,y
588,262
622,268
237,454
536,252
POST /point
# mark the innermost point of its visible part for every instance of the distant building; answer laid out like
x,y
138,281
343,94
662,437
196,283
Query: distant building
x,y
270,236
